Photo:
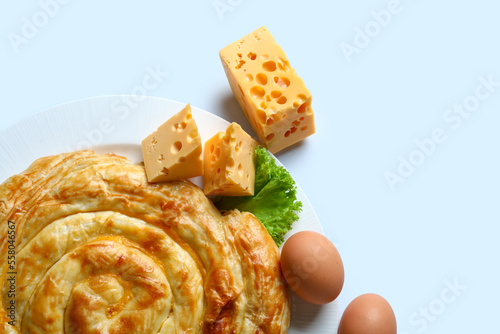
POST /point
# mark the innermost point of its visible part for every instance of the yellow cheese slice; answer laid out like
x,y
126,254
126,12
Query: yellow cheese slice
x,y
230,163
273,97
174,151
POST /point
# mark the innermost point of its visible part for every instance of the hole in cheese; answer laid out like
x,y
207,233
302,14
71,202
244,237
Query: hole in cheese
x,y
302,108
275,94
257,92
282,82
240,63
276,116
248,77
282,100
301,98
270,136
176,147
179,126
261,79
261,115
252,55
269,66
237,147
152,145
193,133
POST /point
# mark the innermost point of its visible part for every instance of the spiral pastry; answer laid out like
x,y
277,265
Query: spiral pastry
x,y
97,249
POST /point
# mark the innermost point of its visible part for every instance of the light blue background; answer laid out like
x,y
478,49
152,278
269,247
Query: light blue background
x,y
440,224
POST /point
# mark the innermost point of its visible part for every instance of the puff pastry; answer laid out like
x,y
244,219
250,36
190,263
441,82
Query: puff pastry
x,y
99,250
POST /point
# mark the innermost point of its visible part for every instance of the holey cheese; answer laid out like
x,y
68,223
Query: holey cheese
x,y
273,97
174,151
230,163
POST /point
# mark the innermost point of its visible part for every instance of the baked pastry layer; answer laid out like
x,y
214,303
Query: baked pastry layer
x,y
100,250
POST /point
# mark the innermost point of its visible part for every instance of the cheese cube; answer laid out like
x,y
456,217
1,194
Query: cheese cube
x,y
273,97
174,151
230,163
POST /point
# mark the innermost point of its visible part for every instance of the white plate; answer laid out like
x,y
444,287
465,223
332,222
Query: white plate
x,y
118,124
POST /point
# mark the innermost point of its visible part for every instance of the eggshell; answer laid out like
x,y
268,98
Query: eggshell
x,y
368,314
312,267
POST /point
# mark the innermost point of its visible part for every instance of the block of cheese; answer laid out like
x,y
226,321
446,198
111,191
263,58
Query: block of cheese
x,y
273,97
174,151
230,163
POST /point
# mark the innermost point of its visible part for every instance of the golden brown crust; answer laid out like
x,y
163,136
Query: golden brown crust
x,y
99,250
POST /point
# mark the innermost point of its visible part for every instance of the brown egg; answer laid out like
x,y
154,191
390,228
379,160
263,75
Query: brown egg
x,y
312,267
368,314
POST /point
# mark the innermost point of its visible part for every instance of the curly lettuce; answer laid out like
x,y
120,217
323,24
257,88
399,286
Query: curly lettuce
x,y
274,202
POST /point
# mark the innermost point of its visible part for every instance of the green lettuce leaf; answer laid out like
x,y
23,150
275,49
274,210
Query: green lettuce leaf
x,y
275,201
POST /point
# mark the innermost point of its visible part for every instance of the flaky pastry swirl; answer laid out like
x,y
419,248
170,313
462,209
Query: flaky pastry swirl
x,y
100,250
